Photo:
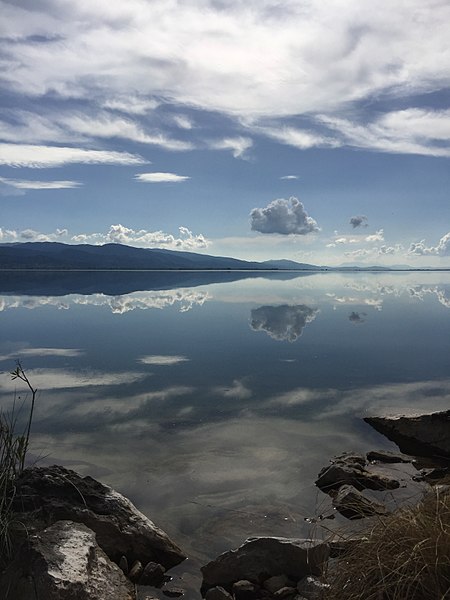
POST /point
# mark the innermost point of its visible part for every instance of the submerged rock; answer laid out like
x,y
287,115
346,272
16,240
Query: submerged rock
x,y
64,562
354,505
260,558
385,456
350,473
421,435
48,494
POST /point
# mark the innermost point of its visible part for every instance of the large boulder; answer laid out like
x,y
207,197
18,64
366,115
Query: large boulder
x,y
48,494
420,435
260,558
64,562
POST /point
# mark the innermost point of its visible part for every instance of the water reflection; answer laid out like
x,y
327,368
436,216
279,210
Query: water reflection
x,y
282,323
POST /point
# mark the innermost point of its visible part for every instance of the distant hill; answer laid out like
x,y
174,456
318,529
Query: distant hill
x,y
55,255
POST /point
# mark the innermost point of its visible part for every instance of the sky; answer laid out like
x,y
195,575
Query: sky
x,y
300,129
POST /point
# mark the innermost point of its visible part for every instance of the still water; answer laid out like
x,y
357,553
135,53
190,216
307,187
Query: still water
x,y
212,400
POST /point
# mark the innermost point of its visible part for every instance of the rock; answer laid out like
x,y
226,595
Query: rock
x,y
277,582
153,574
285,592
385,456
350,457
353,505
218,593
311,588
48,494
173,592
260,558
245,590
64,562
432,475
340,473
420,435
135,571
341,545
123,564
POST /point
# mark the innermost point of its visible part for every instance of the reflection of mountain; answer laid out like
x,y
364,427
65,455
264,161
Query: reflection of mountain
x,y
116,283
283,322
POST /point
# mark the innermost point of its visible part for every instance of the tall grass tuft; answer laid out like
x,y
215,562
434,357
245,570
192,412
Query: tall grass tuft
x,y
404,556
13,450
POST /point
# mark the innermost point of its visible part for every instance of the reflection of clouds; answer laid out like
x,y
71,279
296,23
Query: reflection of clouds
x,y
161,360
376,303
356,317
26,352
184,297
238,390
283,322
442,293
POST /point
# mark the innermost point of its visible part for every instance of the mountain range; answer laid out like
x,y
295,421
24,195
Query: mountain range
x,y
55,255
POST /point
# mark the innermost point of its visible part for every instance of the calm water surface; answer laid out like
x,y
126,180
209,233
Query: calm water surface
x,y
212,400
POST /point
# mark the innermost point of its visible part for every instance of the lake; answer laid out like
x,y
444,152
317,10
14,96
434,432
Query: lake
x,y
212,400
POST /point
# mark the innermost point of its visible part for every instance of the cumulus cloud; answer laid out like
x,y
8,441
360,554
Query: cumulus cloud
x,y
38,157
284,322
28,235
358,221
160,178
144,238
441,249
22,184
284,217
378,236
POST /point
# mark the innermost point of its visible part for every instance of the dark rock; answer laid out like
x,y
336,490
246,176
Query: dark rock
x,y
340,473
123,564
135,571
353,505
341,545
64,562
153,574
421,435
245,590
259,558
385,456
311,588
218,593
173,592
350,458
49,494
277,582
285,592
432,475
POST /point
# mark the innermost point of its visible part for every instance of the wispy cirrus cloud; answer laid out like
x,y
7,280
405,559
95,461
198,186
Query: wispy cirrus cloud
x,y
162,360
39,157
22,184
160,177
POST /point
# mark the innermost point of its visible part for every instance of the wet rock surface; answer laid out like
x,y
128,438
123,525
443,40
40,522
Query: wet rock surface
x,y
352,504
64,562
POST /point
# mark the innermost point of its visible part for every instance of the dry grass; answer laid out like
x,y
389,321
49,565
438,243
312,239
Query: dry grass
x,y
404,556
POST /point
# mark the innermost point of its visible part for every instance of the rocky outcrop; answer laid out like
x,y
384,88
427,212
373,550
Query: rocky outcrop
x,y
64,562
350,469
420,435
260,558
354,505
49,494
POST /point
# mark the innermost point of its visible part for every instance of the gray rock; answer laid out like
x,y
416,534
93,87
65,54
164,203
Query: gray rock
x,y
340,473
245,590
49,494
354,505
350,458
259,558
385,456
64,562
277,582
311,588
285,592
419,435
173,592
218,593
135,571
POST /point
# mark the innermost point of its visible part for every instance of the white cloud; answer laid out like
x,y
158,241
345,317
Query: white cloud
x,y
38,157
39,352
183,122
238,145
284,322
40,185
131,104
162,360
289,177
27,235
284,217
378,236
160,177
442,248
298,138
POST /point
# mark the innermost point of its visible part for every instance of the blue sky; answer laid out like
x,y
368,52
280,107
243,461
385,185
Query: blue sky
x,y
309,130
